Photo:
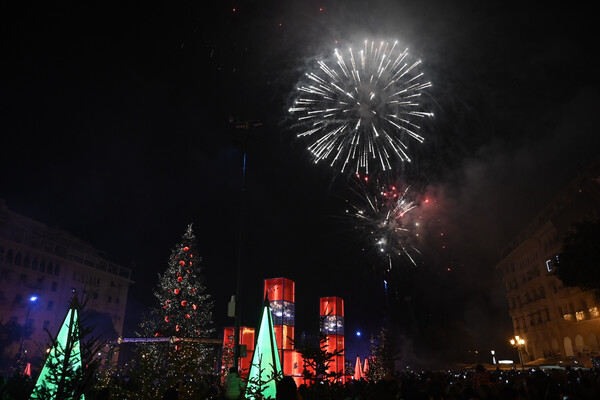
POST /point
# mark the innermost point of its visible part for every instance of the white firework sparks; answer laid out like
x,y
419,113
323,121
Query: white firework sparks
x,y
363,108
386,220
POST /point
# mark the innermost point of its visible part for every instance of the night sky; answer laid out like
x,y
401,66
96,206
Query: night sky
x,y
116,127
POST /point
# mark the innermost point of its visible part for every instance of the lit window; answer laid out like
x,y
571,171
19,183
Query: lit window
x,y
568,317
594,312
580,315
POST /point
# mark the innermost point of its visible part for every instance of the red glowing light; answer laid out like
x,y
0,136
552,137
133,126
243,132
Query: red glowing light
x,y
176,291
184,303
321,9
426,200
179,279
186,249
182,262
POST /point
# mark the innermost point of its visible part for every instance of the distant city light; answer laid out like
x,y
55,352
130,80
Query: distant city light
x,y
33,298
358,333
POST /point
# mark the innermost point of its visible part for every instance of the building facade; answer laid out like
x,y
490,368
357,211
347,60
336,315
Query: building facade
x,y
40,269
557,322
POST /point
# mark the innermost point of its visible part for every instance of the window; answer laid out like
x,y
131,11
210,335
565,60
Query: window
x,y
56,269
50,305
43,266
18,299
18,260
34,264
54,286
9,256
26,261
46,325
49,269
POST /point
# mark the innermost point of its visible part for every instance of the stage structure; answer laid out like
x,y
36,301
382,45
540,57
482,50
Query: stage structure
x,y
331,311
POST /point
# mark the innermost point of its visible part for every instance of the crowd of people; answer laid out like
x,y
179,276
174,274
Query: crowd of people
x,y
472,384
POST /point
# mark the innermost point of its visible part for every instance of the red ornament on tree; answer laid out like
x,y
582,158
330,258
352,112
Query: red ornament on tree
x,y
177,328
194,307
191,263
188,271
179,279
186,248
187,316
184,303
176,291
167,318
182,263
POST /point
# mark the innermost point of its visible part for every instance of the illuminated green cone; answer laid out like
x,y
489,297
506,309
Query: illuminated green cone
x,y
265,369
62,369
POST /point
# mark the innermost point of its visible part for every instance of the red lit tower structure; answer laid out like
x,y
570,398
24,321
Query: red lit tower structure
x,y
282,295
332,326
247,340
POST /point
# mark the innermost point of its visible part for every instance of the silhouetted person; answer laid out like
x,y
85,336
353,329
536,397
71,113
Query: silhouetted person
x,y
234,385
171,394
287,389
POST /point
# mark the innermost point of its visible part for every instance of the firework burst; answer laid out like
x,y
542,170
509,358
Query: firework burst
x,y
360,110
387,220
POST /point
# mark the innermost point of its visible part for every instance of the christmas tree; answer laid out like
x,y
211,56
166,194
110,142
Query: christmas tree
x,y
265,369
183,313
62,375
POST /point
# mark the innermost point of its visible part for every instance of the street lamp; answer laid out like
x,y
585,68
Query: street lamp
x,y
519,343
32,300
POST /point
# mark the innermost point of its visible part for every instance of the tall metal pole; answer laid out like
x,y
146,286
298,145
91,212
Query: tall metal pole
x,y
247,125
238,284
521,357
